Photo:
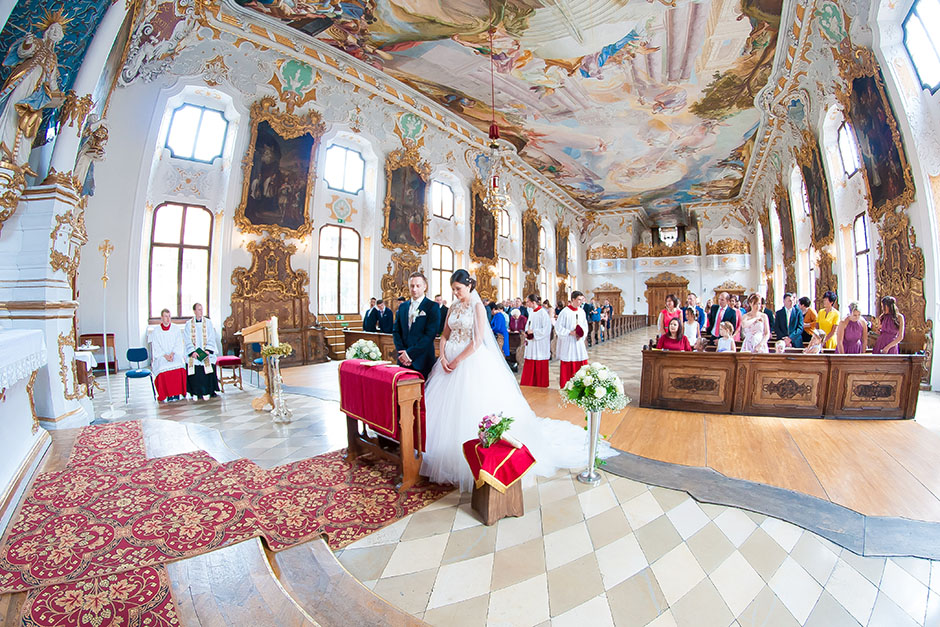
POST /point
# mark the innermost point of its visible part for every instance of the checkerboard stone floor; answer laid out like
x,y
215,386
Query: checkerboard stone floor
x,y
623,553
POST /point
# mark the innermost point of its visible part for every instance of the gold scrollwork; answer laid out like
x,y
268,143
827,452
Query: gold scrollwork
x,y
608,251
76,237
405,157
288,126
861,63
827,279
67,367
32,401
728,246
679,249
394,283
64,179
75,108
485,286
12,182
270,271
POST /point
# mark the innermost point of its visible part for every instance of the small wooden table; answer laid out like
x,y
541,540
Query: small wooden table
x,y
492,505
497,472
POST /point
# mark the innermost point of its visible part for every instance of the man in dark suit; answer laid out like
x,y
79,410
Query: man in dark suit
x,y
722,312
416,325
368,311
379,320
788,325
443,305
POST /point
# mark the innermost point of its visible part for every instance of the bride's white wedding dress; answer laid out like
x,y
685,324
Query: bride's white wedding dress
x,y
483,384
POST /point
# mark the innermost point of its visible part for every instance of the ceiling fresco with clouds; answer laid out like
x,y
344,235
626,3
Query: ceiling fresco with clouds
x,y
623,103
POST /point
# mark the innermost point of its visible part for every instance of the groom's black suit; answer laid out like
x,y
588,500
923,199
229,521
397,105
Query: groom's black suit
x,y
419,340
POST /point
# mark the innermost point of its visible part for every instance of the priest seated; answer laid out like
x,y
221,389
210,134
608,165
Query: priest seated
x,y
202,351
167,359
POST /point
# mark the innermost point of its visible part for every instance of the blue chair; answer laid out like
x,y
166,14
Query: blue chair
x,y
257,364
137,355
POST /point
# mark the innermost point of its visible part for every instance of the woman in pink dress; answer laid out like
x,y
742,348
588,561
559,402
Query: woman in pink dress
x,y
892,328
671,312
852,335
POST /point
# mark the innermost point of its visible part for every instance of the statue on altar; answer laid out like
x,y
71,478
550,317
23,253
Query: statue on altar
x,y
33,84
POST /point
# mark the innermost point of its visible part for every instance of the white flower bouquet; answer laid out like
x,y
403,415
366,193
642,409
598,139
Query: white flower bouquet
x,y
595,388
364,349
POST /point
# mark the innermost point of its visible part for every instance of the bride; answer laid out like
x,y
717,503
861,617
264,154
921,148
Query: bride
x,y
470,380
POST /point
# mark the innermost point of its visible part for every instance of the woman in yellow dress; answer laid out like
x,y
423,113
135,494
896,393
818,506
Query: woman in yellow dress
x,y
828,318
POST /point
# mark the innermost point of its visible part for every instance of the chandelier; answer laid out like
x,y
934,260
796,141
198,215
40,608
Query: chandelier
x,y
495,198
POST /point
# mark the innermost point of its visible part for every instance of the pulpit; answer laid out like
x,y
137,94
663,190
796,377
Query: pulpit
x,y
390,400
261,333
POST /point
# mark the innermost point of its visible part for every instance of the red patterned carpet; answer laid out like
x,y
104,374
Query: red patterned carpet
x,y
100,528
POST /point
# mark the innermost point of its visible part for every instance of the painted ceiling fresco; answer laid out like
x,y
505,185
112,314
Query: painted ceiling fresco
x,y
623,103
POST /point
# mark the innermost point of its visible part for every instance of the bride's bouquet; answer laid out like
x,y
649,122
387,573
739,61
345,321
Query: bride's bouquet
x,y
364,349
493,428
595,388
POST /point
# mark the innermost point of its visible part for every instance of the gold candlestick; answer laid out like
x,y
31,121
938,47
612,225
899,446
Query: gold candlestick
x,y
105,249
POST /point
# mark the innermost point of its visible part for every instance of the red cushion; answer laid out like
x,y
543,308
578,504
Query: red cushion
x,y
229,361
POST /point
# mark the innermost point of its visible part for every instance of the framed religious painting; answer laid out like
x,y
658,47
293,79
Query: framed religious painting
x,y
817,190
561,250
887,171
406,211
279,171
483,227
530,240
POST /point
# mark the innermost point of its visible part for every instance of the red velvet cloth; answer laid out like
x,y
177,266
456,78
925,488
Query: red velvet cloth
x,y
500,465
535,373
229,361
171,383
370,394
569,369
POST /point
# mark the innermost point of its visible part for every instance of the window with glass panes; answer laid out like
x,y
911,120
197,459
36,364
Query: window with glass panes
x,y
196,133
442,266
922,41
504,223
863,269
180,253
848,150
505,279
338,270
442,200
344,170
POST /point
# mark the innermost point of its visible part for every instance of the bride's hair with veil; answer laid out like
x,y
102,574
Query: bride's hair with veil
x,y
463,277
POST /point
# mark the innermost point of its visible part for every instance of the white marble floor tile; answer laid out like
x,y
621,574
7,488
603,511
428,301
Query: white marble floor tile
x,y
595,613
796,588
855,593
677,572
641,510
737,582
597,500
736,525
525,603
461,581
620,560
414,555
785,534
688,518
513,531
567,545
905,590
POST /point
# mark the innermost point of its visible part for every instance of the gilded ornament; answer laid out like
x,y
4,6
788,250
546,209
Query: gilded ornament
x,y
728,246
826,280
405,157
608,251
32,401
270,271
13,183
70,229
63,179
485,287
294,81
67,366
679,249
394,283
809,160
75,108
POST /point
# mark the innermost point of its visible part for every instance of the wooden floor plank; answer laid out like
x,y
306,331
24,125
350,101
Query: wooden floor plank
x,y
759,449
668,436
855,472
913,446
547,403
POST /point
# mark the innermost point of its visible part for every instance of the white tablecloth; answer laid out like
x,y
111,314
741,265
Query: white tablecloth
x,y
22,351
88,357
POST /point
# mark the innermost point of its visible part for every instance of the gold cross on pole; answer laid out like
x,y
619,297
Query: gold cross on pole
x,y
105,249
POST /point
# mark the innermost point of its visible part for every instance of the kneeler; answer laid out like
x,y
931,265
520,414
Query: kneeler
x,y
497,473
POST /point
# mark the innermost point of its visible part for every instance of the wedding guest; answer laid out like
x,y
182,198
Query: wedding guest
x,y
443,305
202,348
691,302
691,328
609,310
571,327
559,307
500,328
767,311
726,341
673,339
817,339
852,334
517,320
755,328
722,312
671,312
538,338
809,318
380,319
780,347
788,323
547,306
416,325
828,318
593,318
891,333
168,348
369,310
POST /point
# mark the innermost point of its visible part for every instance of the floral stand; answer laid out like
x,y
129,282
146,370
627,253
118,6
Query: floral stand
x,y
497,470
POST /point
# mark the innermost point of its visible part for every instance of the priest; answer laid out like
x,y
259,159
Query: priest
x,y
202,350
538,344
167,360
572,327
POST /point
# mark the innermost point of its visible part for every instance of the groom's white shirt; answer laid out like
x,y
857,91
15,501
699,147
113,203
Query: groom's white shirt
x,y
571,347
540,326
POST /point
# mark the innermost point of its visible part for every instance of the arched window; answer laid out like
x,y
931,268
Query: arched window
x,y
848,150
863,269
442,200
543,284
338,273
442,266
923,41
541,238
344,170
504,223
505,279
196,133
180,253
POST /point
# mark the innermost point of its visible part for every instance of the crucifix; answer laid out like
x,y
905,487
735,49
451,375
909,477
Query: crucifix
x,y
105,249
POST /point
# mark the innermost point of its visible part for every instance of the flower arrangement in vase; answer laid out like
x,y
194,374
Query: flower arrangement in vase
x,y
364,349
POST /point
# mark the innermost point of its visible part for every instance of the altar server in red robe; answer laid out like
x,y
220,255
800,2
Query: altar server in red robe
x,y
571,328
166,343
538,344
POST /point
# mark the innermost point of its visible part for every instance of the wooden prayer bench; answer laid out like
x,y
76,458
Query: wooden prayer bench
x,y
827,385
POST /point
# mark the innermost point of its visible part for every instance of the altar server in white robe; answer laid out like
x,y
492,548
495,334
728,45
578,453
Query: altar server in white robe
x,y
538,344
571,328
168,359
201,341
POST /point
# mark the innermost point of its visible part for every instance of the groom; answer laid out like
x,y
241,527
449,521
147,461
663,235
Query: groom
x,y
416,325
